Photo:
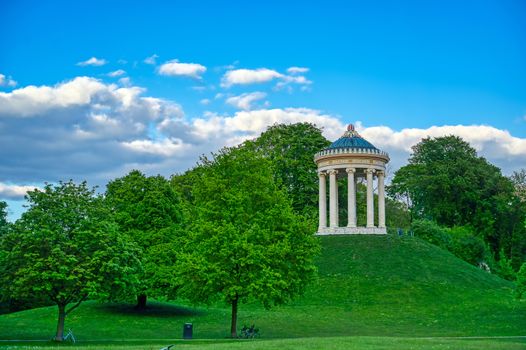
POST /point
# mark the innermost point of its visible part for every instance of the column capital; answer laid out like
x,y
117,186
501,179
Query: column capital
x,y
350,170
332,172
322,174
370,171
380,172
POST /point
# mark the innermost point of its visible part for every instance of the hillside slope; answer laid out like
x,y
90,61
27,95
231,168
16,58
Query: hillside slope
x,y
367,285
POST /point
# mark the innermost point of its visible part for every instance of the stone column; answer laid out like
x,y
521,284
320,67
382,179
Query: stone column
x,y
381,200
351,198
370,200
333,204
323,202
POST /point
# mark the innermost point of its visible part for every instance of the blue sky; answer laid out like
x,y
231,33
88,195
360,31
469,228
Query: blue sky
x,y
222,73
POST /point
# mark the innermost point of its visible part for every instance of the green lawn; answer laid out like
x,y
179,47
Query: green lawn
x,y
333,343
368,286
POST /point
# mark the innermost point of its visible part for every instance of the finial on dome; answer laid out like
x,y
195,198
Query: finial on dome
x,y
350,127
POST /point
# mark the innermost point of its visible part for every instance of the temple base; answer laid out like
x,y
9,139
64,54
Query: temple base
x,y
351,231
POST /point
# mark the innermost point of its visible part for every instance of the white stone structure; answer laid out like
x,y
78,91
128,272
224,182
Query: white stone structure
x,y
349,158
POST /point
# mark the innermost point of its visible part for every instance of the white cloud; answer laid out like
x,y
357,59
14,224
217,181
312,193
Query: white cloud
x,y
248,124
117,73
297,70
166,147
93,61
125,81
81,129
496,145
248,76
7,81
85,129
175,68
151,60
10,191
244,101
263,75
205,101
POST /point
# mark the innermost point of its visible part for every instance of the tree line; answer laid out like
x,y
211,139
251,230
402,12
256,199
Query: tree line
x,y
239,225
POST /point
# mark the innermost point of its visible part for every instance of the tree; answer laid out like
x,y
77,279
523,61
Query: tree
x,y
446,182
519,181
521,281
148,210
290,149
244,242
65,247
3,218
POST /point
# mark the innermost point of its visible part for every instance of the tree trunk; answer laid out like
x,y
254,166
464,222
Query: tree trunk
x,y
60,326
141,301
233,325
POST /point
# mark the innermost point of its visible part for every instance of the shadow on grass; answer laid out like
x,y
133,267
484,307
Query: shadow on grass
x,y
152,309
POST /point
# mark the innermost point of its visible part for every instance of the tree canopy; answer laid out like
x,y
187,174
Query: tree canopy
x,y
290,149
66,248
3,217
148,210
245,242
447,182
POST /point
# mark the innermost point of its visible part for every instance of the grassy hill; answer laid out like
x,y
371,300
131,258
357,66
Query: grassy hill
x,y
367,286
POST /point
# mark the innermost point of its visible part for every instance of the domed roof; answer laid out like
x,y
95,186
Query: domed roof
x,y
351,139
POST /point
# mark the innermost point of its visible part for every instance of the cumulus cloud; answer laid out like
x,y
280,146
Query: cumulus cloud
x,y
297,70
245,101
151,60
249,124
7,81
263,75
496,145
80,129
93,61
249,76
117,73
176,68
85,129
14,192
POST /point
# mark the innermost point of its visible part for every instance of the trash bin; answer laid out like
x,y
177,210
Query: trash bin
x,y
187,331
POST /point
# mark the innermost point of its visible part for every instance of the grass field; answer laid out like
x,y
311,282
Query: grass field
x,y
332,343
369,287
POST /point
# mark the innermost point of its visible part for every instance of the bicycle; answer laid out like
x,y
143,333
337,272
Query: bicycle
x,y
69,336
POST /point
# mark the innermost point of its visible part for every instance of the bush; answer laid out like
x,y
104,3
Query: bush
x,y
431,232
466,246
504,267
521,281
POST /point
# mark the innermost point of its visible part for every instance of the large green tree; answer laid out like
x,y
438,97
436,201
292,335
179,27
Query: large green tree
x,y
66,248
290,149
447,182
148,210
245,241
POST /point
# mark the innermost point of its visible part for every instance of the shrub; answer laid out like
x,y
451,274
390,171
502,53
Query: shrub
x,y
504,268
521,281
466,246
431,232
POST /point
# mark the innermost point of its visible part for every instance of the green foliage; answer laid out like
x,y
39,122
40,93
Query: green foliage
x,y
519,181
367,285
445,181
466,246
148,210
291,149
245,242
504,268
3,217
66,248
521,282
431,232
